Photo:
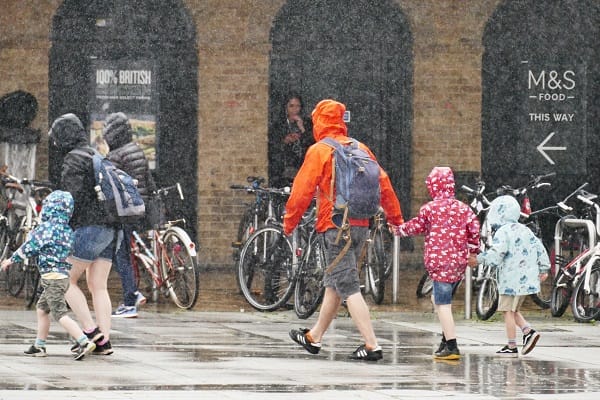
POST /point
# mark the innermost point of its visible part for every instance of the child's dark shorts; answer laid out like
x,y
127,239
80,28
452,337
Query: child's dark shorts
x,y
52,299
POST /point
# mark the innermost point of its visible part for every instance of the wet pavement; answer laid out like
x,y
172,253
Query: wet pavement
x,y
172,354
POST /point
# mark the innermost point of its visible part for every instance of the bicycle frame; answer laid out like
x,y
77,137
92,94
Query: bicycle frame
x,y
593,252
151,258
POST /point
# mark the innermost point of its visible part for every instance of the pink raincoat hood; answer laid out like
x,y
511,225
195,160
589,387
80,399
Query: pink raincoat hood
x,y
440,183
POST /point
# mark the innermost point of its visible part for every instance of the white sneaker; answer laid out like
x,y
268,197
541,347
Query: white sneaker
x,y
124,311
140,299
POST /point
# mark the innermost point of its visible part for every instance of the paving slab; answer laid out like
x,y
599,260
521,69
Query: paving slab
x,y
176,354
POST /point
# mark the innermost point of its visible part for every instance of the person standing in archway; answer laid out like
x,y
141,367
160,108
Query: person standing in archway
x,y
291,137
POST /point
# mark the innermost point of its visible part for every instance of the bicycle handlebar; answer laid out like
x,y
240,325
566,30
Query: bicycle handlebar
x,y
165,190
251,189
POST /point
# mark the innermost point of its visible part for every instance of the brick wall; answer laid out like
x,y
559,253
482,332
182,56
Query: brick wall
x,y
233,52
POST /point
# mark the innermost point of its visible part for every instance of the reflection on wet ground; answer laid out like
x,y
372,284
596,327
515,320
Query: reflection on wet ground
x,y
231,351
251,352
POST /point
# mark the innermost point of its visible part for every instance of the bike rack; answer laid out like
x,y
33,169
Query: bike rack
x,y
468,292
395,268
573,223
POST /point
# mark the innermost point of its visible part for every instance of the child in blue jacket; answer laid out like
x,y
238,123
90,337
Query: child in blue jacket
x,y
522,262
51,243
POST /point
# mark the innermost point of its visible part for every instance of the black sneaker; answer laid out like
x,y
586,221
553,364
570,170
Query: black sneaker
x,y
447,354
299,336
35,351
103,349
85,350
529,341
362,353
441,347
508,352
95,336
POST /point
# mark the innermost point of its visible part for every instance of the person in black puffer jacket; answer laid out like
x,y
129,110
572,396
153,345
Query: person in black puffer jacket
x,y
128,156
94,241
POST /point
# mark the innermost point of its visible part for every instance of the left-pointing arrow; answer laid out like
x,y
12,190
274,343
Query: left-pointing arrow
x,y
543,149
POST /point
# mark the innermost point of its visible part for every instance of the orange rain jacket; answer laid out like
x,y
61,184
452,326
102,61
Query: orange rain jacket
x,y
314,176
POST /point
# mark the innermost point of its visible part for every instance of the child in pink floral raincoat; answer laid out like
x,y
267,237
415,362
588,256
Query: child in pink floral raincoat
x,y
451,243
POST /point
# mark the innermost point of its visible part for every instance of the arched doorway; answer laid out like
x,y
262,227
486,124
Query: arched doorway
x,y
359,54
541,84
138,57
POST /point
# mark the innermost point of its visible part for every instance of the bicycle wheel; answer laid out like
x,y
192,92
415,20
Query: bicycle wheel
x,y
487,299
15,279
561,295
544,297
383,241
425,286
376,262
245,229
144,281
4,238
266,269
586,306
32,283
179,264
309,289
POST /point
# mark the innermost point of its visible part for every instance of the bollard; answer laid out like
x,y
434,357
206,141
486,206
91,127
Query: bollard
x,y
395,268
468,292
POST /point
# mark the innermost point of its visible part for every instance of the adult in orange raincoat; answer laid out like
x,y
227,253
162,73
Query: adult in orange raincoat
x,y
342,282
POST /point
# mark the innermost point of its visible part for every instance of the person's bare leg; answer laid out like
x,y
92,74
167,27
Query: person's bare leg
x,y
97,280
520,321
510,326
329,307
71,327
444,312
43,324
75,296
362,319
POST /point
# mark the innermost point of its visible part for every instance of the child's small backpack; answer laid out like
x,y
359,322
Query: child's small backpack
x,y
356,177
116,191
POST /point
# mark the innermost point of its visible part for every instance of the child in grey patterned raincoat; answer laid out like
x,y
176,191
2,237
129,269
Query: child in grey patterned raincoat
x,y
522,262
51,243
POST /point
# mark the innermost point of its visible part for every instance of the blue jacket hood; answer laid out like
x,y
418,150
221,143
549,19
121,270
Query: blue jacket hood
x,y
503,210
58,207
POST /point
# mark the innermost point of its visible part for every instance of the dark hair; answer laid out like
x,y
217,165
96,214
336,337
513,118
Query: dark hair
x,y
293,95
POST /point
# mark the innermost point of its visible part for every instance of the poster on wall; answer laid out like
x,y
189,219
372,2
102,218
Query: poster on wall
x,y
126,86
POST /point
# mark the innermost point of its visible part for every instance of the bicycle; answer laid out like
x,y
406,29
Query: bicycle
x,y
310,249
22,276
267,268
168,263
578,281
266,209
375,261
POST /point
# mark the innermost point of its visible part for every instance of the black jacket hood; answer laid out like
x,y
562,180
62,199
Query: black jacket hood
x,y
67,133
117,130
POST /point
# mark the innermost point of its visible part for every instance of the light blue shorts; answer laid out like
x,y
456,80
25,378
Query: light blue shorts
x,y
442,292
93,242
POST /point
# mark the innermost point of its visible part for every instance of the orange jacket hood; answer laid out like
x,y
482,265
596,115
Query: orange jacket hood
x,y
328,119
315,174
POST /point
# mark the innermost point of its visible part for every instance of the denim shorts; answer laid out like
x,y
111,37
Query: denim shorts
x,y
442,292
93,242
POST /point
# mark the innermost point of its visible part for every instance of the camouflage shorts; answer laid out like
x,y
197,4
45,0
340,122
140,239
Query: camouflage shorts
x,y
52,299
